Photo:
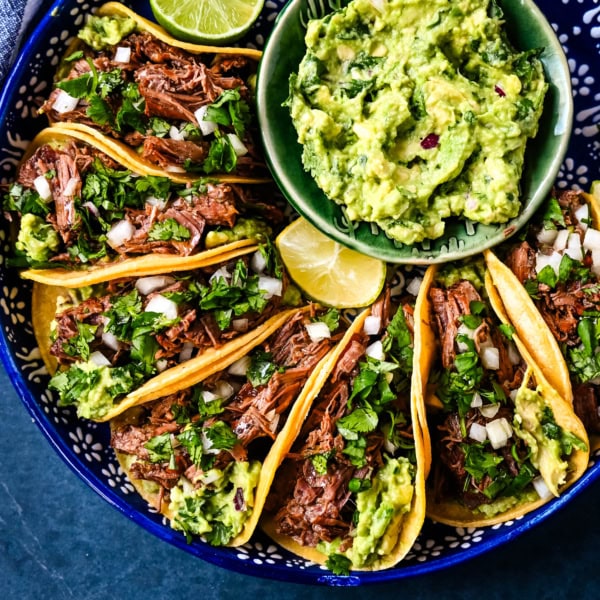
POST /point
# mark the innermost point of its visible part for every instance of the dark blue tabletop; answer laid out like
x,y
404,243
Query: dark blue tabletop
x,y
60,540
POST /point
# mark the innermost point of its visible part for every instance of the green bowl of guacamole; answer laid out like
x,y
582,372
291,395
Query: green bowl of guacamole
x,y
415,131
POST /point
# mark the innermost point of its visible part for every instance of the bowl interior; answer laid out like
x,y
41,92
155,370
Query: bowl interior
x,y
527,28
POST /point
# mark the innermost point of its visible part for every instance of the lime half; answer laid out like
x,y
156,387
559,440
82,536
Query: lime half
x,y
215,22
327,271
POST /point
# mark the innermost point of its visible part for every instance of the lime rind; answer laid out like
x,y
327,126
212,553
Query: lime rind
x,y
328,272
216,22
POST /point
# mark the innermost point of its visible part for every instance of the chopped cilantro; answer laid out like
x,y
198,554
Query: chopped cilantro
x,y
221,436
261,368
331,318
160,448
360,420
338,564
169,229
79,345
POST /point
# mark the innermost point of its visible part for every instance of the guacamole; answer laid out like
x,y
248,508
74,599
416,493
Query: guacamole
x,y
219,509
410,112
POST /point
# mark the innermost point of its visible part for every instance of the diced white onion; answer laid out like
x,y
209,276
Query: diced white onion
x,y
372,325
489,411
541,488
210,476
64,102
71,186
147,285
258,262
513,394
207,445
186,352
375,350
476,402
378,4
547,236
42,187
99,359
273,417
160,203
464,330
223,389
162,305
490,358
161,364
582,214
318,331
596,262
542,260
271,285
498,432
478,432
238,146
206,127
513,354
122,54
220,273
174,169
119,233
562,238
208,396
414,285
176,134
92,208
575,252
591,240
240,324
110,340
240,366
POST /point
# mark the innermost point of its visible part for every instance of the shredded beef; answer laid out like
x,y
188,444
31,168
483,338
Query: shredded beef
x,y
451,476
173,84
253,412
448,305
586,404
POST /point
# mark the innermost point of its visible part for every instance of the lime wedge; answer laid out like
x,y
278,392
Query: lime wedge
x,y
327,271
215,22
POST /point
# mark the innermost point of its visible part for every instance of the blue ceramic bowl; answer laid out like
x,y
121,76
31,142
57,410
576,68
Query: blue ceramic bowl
x,y
527,28
84,445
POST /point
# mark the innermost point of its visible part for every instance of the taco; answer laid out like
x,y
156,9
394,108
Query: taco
x,y
549,282
504,442
205,456
350,492
173,107
81,217
133,339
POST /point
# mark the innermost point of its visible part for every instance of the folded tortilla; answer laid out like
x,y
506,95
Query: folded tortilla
x,y
504,440
350,493
172,81
83,217
206,456
134,339
551,302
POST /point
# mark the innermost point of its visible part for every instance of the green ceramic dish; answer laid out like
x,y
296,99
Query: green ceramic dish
x,y
527,28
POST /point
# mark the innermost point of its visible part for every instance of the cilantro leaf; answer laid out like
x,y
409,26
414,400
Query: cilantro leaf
x,y
338,564
261,368
360,420
221,436
169,229
79,345
160,448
